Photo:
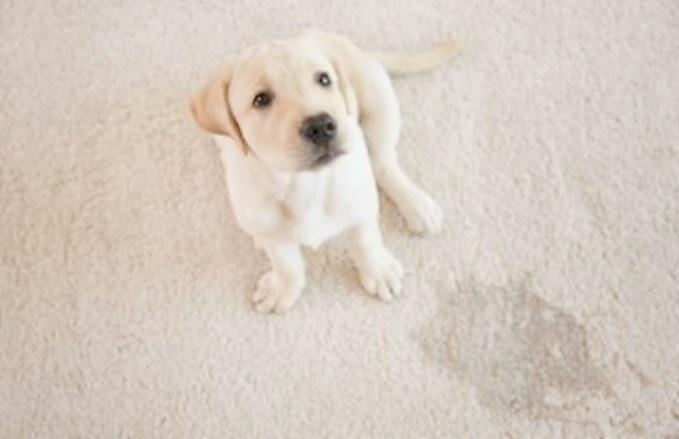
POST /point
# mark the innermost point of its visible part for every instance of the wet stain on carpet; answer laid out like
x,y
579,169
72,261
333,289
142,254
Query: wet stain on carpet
x,y
522,354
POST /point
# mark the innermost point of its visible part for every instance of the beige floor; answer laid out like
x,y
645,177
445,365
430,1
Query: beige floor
x,y
548,307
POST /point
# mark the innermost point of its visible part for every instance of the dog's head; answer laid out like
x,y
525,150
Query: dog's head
x,y
289,102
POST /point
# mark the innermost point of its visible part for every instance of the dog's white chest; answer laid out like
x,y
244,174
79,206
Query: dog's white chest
x,y
325,203
306,208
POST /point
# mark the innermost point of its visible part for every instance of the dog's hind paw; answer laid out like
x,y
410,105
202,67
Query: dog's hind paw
x,y
422,214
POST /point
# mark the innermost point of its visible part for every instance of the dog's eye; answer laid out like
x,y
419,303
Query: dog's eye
x,y
262,100
323,79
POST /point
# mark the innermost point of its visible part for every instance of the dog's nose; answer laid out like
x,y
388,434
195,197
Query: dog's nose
x,y
319,129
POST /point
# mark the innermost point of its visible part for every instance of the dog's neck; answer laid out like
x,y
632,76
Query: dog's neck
x,y
294,190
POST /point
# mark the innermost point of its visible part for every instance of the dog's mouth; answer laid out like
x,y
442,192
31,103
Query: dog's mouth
x,y
324,158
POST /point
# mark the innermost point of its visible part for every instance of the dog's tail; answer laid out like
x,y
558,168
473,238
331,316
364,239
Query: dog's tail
x,y
401,63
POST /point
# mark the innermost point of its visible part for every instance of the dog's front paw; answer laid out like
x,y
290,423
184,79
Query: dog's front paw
x,y
381,277
275,294
423,215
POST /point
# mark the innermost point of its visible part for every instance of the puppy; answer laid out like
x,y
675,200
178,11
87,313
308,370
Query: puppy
x,y
307,126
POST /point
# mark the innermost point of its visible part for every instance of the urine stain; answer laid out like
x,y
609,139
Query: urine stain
x,y
522,354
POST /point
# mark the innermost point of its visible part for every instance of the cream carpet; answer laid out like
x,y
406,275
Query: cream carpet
x,y
548,307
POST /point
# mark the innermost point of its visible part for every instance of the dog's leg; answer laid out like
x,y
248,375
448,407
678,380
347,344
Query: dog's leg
x,y
381,125
379,271
279,289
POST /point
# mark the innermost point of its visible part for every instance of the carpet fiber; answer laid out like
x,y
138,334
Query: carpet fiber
x,y
547,308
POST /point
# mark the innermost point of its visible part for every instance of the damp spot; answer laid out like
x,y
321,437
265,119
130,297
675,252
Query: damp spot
x,y
522,354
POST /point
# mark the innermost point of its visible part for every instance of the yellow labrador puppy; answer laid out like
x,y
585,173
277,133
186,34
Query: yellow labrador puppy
x,y
306,127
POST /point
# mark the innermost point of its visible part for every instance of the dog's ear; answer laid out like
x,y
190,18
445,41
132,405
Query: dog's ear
x,y
345,86
211,108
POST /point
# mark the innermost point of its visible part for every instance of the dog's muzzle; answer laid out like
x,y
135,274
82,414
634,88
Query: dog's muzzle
x,y
320,130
